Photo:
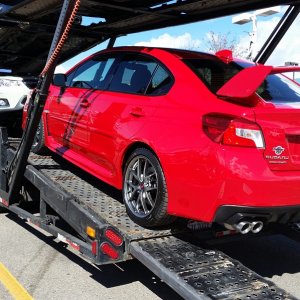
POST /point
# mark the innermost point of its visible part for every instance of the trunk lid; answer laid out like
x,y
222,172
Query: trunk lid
x,y
281,129
277,112
280,123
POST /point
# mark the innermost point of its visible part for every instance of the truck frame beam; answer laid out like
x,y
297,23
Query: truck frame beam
x,y
278,33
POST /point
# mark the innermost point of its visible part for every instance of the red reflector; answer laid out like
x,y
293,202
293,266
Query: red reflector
x,y
109,250
94,247
4,202
74,245
114,237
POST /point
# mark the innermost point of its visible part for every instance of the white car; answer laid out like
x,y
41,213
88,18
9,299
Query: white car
x,y
13,93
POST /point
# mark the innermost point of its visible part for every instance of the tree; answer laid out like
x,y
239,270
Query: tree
x,y
219,41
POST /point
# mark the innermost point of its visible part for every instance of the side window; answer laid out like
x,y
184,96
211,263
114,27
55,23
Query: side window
x,y
93,74
133,74
85,74
160,83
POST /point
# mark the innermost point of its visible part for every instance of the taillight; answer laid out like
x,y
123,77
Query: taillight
x,y
231,131
243,133
215,125
109,250
113,237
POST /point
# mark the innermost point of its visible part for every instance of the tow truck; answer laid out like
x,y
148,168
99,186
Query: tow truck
x,y
78,209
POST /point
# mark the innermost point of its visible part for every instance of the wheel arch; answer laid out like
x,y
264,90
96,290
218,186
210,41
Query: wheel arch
x,y
133,147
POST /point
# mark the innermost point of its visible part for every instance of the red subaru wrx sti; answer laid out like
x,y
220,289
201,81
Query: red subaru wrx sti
x,y
182,133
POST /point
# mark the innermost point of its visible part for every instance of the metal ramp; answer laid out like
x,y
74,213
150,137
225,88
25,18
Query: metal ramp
x,y
197,273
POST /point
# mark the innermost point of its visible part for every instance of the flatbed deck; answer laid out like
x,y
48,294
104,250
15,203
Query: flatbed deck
x,y
185,264
105,204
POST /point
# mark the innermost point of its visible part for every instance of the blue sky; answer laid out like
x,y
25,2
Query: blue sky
x,y
197,32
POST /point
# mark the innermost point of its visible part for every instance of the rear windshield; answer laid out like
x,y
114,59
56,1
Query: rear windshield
x,y
215,73
277,88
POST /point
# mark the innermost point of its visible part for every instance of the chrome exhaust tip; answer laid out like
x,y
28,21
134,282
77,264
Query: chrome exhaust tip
x,y
257,226
243,227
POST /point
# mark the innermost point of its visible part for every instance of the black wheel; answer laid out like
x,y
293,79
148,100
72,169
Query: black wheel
x,y
38,145
144,190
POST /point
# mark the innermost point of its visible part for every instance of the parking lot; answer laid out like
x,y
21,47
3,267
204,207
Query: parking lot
x,y
47,270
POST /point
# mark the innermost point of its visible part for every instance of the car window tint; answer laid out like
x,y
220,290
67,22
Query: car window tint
x,y
85,74
160,83
276,88
102,75
91,74
213,72
133,75
279,89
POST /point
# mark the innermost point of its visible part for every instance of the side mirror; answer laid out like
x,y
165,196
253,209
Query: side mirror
x,y
59,80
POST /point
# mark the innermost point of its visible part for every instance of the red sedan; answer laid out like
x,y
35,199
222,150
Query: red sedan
x,y
182,133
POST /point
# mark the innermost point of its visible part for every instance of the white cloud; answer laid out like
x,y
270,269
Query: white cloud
x,y
60,69
166,40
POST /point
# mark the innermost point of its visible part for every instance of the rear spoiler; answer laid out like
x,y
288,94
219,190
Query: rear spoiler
x,y
245,83
277,70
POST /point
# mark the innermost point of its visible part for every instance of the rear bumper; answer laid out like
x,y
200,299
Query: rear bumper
x,y
237,178
232,214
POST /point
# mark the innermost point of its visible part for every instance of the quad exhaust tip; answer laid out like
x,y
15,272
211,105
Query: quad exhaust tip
x,y
245,227
257,226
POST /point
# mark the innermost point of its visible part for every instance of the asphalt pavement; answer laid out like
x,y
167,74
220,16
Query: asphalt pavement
x,y
47,270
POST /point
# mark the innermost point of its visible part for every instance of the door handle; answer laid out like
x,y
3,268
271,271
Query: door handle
x,y
84,103
137,112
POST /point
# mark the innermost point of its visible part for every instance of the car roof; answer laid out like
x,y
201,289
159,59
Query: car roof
x,y
180,53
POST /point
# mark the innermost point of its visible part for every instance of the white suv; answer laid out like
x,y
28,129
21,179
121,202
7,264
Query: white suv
x,y
13,93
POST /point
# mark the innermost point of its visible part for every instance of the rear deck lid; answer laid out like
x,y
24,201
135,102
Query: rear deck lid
x,y
279,119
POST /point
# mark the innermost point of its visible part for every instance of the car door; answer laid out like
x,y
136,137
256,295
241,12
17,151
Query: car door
x,y
67,120
121,110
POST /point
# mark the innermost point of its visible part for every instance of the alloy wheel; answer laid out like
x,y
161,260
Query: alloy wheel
x,y
140,186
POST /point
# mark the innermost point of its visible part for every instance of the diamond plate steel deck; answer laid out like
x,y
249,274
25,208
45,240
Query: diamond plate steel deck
x,y
197,273
97,202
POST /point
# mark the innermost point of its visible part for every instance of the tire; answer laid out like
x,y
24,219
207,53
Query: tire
x,y
146,199
38,145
